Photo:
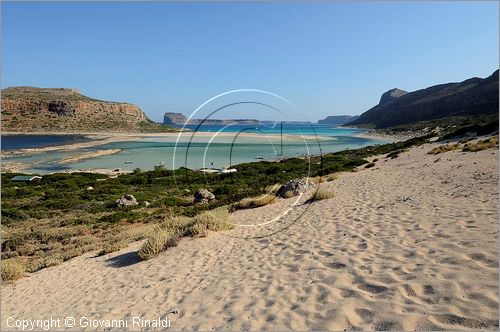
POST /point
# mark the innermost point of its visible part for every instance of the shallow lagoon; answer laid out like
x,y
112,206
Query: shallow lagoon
x,y
206,150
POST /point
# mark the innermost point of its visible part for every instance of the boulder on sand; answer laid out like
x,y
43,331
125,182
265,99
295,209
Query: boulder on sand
x,y
293,188
126,200
202,196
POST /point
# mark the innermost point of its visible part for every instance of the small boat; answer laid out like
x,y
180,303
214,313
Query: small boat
x,y
259,157
128,162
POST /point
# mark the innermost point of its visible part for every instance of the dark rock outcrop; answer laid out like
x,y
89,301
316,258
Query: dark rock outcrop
x,y
126,200
174,118
202,196
293,188
391,95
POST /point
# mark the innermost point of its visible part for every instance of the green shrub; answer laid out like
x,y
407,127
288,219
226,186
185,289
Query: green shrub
x,y
370,165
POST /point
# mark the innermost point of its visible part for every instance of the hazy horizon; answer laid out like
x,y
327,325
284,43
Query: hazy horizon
x,y
326,58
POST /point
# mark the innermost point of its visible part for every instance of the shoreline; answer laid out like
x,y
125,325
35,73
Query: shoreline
x,y
100,139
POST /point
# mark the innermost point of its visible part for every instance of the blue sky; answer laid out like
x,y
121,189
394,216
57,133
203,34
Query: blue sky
x,y
327,58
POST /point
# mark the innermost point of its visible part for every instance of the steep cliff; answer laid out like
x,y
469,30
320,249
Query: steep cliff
x,y
30,109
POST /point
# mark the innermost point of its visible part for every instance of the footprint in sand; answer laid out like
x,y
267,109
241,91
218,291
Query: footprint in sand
x,y
325,253
335,265
372,288
470,323
365,315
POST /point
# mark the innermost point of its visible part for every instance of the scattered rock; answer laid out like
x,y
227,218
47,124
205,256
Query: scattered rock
x,y
146,203
202,196
126,200
293,188
89,188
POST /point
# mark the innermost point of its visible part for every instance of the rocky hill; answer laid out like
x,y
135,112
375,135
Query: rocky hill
x,y
338,119
31,109
470,101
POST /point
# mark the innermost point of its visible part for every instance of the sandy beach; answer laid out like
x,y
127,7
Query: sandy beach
x,y
410,244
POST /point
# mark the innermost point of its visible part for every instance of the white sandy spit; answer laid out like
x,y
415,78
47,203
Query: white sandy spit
x,y
410,244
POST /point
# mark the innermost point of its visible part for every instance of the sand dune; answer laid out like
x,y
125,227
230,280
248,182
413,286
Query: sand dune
x,y
410,244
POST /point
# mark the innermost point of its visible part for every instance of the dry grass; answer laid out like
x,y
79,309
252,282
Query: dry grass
x,y
214,220
444,148
332,177
112,247
198,230
157,241
489,143
168,233
316,180
321,194
250,203
12,269
394,154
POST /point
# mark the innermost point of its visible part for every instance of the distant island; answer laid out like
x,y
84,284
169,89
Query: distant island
x,y
171,118
32,109
338,119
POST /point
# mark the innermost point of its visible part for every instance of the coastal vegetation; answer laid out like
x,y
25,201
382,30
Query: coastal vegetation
x,y
491,142
479,145
444,148
48,222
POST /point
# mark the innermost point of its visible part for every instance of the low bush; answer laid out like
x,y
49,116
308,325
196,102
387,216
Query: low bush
x,y
12,269
370,165
444,148
250,203
157,241
214,220
489,143
321,194
112,247
332,177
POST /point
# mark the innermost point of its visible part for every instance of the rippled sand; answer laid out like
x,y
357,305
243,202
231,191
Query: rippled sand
x,y
410,244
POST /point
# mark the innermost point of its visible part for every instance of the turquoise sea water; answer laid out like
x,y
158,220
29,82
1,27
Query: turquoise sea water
x,y
208,148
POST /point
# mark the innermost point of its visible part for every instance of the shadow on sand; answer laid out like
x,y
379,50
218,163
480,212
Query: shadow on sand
x,y
126,259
